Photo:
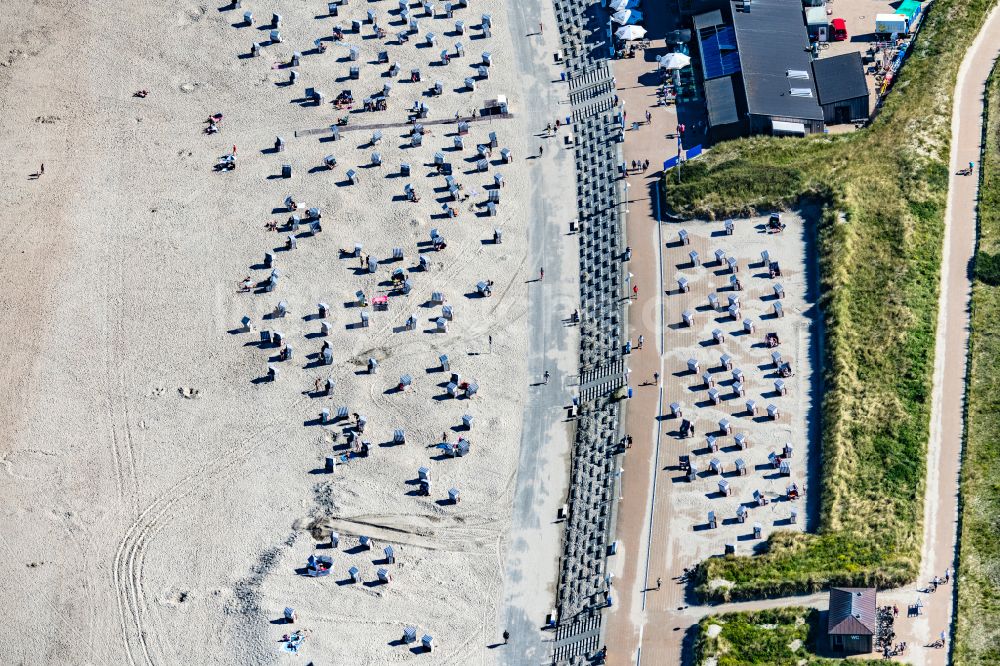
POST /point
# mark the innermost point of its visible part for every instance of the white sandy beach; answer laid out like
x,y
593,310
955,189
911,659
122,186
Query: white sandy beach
x,y
796,420
156,501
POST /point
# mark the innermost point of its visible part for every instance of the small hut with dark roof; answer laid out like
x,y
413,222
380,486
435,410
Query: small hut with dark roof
x,y
852,619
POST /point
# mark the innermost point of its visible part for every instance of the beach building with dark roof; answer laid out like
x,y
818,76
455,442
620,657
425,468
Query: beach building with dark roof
x,y
757,68
843,90
851,623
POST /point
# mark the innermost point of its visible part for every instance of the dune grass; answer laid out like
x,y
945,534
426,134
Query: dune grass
x,y
978,622
884,191
779,637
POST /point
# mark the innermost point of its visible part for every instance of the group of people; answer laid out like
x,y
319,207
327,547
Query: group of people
x,y
888,652
212,125
639,165
938,580
626,51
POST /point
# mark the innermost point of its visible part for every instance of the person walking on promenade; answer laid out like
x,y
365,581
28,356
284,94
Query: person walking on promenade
x,y
541,273
642,339
506,636
659,582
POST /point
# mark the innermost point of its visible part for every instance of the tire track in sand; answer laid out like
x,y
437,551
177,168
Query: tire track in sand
x,y
122,443
131,551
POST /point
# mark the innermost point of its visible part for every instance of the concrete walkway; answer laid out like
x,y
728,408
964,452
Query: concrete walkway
x,y
639,512
948,402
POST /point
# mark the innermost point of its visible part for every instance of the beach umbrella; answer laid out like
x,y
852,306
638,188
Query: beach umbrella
x,y
630,32
675,61
627,16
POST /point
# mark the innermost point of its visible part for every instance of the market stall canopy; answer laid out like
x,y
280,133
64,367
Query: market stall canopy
x,y
675,61
910,9
627,16
627,32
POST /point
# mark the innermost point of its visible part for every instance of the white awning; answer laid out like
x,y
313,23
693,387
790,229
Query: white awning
x,y
783,127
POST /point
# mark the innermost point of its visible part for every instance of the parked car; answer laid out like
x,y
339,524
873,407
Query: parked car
x,y
838,30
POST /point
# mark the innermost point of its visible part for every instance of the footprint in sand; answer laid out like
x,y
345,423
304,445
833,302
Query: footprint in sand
x,y
191,15
175,598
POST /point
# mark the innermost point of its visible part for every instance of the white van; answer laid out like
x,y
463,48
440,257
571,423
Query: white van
x,y
887,24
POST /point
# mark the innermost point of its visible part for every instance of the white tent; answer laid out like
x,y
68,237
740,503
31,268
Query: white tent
x,y
628,32
675,61
627,16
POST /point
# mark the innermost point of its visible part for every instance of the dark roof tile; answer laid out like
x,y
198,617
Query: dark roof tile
x,y
852,611
721,101
771,37
840,78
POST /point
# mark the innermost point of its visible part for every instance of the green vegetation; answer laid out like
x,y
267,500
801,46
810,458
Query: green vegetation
x,y
880,267
978,626
779,637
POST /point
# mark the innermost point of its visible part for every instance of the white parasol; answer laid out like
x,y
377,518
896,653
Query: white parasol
x,y
628,32
675,61
627,16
